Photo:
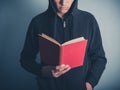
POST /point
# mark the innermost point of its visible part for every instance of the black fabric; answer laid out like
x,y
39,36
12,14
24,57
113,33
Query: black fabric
x,y
78,23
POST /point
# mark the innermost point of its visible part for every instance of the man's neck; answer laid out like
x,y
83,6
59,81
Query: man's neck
x,y
60,15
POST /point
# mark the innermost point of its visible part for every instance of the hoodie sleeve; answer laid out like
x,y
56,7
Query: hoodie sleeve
x,y
96,54
30,50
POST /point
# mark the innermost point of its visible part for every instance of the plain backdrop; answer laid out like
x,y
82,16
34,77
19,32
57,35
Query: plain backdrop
x,y
15,16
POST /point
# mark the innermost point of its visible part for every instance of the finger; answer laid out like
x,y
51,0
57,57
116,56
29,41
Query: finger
x,y
55,74
63,67
59,73
65,70
60,66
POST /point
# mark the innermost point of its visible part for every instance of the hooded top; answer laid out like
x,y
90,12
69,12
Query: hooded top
x,y
56,22
76,23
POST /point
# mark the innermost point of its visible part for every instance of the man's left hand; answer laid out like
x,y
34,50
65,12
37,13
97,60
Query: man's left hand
x,y
88,86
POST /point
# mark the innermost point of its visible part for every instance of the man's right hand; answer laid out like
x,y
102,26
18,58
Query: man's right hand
x,y
60,70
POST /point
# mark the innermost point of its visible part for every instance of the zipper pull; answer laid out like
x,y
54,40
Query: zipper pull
x,y
64,24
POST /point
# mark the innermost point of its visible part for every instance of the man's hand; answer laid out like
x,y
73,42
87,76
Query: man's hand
x,y
88,86
60,69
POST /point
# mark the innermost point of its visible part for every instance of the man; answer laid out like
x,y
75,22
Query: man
x,y
63,21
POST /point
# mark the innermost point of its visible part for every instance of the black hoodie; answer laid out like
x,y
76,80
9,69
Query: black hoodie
x,y
76,23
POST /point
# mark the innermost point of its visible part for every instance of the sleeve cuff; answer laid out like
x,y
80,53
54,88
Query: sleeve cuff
x,y
92,82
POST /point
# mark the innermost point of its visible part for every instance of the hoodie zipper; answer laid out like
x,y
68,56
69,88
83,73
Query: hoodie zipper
x,y
64,24
64,27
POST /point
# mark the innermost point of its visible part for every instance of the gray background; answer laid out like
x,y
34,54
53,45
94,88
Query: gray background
x,y
15,16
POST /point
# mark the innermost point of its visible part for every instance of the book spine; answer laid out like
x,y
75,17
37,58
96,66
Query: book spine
x,y
61,55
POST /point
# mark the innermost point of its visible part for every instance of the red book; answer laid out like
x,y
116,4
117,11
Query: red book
x,y
70,53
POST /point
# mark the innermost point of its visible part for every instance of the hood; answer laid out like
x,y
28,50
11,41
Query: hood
x,y
52,7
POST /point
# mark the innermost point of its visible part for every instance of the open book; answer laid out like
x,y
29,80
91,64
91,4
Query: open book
x,y
70,53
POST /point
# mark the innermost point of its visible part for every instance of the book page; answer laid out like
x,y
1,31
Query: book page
x,y
73,41
49,38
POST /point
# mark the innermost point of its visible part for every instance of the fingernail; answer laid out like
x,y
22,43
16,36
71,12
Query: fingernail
x,y
67,65
63,65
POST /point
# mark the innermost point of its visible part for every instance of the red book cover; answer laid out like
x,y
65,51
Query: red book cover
x,y
70,53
